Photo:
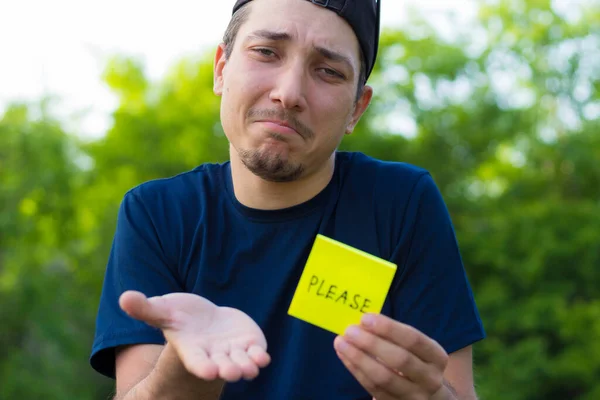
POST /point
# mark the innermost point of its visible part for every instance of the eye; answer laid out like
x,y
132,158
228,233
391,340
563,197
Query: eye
x,y
264,51
332,73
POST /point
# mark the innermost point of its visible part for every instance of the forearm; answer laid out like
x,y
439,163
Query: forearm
x,y
170,380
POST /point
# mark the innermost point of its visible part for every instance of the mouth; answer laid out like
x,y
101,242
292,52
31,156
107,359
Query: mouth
x,y
280,127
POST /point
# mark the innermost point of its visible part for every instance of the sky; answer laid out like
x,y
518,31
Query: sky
x,y
61,47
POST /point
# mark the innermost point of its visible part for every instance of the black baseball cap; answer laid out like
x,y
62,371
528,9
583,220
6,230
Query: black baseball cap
x,y
364,17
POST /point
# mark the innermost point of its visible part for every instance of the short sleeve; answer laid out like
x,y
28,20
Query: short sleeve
x,y
137,261
432,292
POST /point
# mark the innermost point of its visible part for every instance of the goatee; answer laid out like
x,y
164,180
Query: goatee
x,y
270,167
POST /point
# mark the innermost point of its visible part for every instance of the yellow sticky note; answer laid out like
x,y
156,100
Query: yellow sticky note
x,y
339,284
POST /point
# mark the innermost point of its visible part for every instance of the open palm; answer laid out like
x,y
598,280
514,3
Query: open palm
x,y
212,342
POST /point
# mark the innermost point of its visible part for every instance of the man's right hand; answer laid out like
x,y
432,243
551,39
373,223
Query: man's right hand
x,y
212,342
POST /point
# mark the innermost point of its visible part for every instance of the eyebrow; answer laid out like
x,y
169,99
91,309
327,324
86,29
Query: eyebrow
x,y
270,35
284,36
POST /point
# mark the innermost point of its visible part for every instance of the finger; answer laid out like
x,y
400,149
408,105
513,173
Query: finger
x,y
395,357
406,337
360,377
152,310
259,356
365,381
199,364
242,359
374,376
228,370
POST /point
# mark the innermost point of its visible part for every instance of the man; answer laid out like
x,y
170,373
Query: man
x,y
204,264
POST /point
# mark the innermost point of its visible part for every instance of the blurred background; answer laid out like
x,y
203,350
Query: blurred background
x,y
499,99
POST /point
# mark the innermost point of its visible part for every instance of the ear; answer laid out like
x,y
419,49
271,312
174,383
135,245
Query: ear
x,y
360,107
220,61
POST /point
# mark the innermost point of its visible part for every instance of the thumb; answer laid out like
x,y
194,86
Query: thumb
x,y
152,311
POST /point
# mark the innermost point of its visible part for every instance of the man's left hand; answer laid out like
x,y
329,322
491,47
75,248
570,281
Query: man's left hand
x,y
392,360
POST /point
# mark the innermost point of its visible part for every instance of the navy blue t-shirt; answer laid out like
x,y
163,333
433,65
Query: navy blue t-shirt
x,y
189,233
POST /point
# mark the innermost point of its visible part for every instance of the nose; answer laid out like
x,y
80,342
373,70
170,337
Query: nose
x,y
289,89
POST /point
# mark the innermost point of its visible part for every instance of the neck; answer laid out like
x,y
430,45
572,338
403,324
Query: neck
x,y
255,192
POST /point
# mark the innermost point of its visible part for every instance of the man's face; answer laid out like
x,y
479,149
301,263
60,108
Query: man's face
x,y
289,88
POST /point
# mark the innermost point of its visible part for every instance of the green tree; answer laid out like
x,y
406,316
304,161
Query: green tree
x,y
43,332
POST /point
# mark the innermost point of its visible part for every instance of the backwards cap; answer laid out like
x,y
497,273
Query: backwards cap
x,y
362,15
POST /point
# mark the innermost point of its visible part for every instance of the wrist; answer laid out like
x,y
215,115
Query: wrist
x,y
446,392
170,379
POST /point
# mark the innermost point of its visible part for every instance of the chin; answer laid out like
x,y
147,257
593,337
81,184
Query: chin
x,y
272,166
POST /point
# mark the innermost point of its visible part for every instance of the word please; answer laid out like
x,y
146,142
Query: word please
x,y
330,291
